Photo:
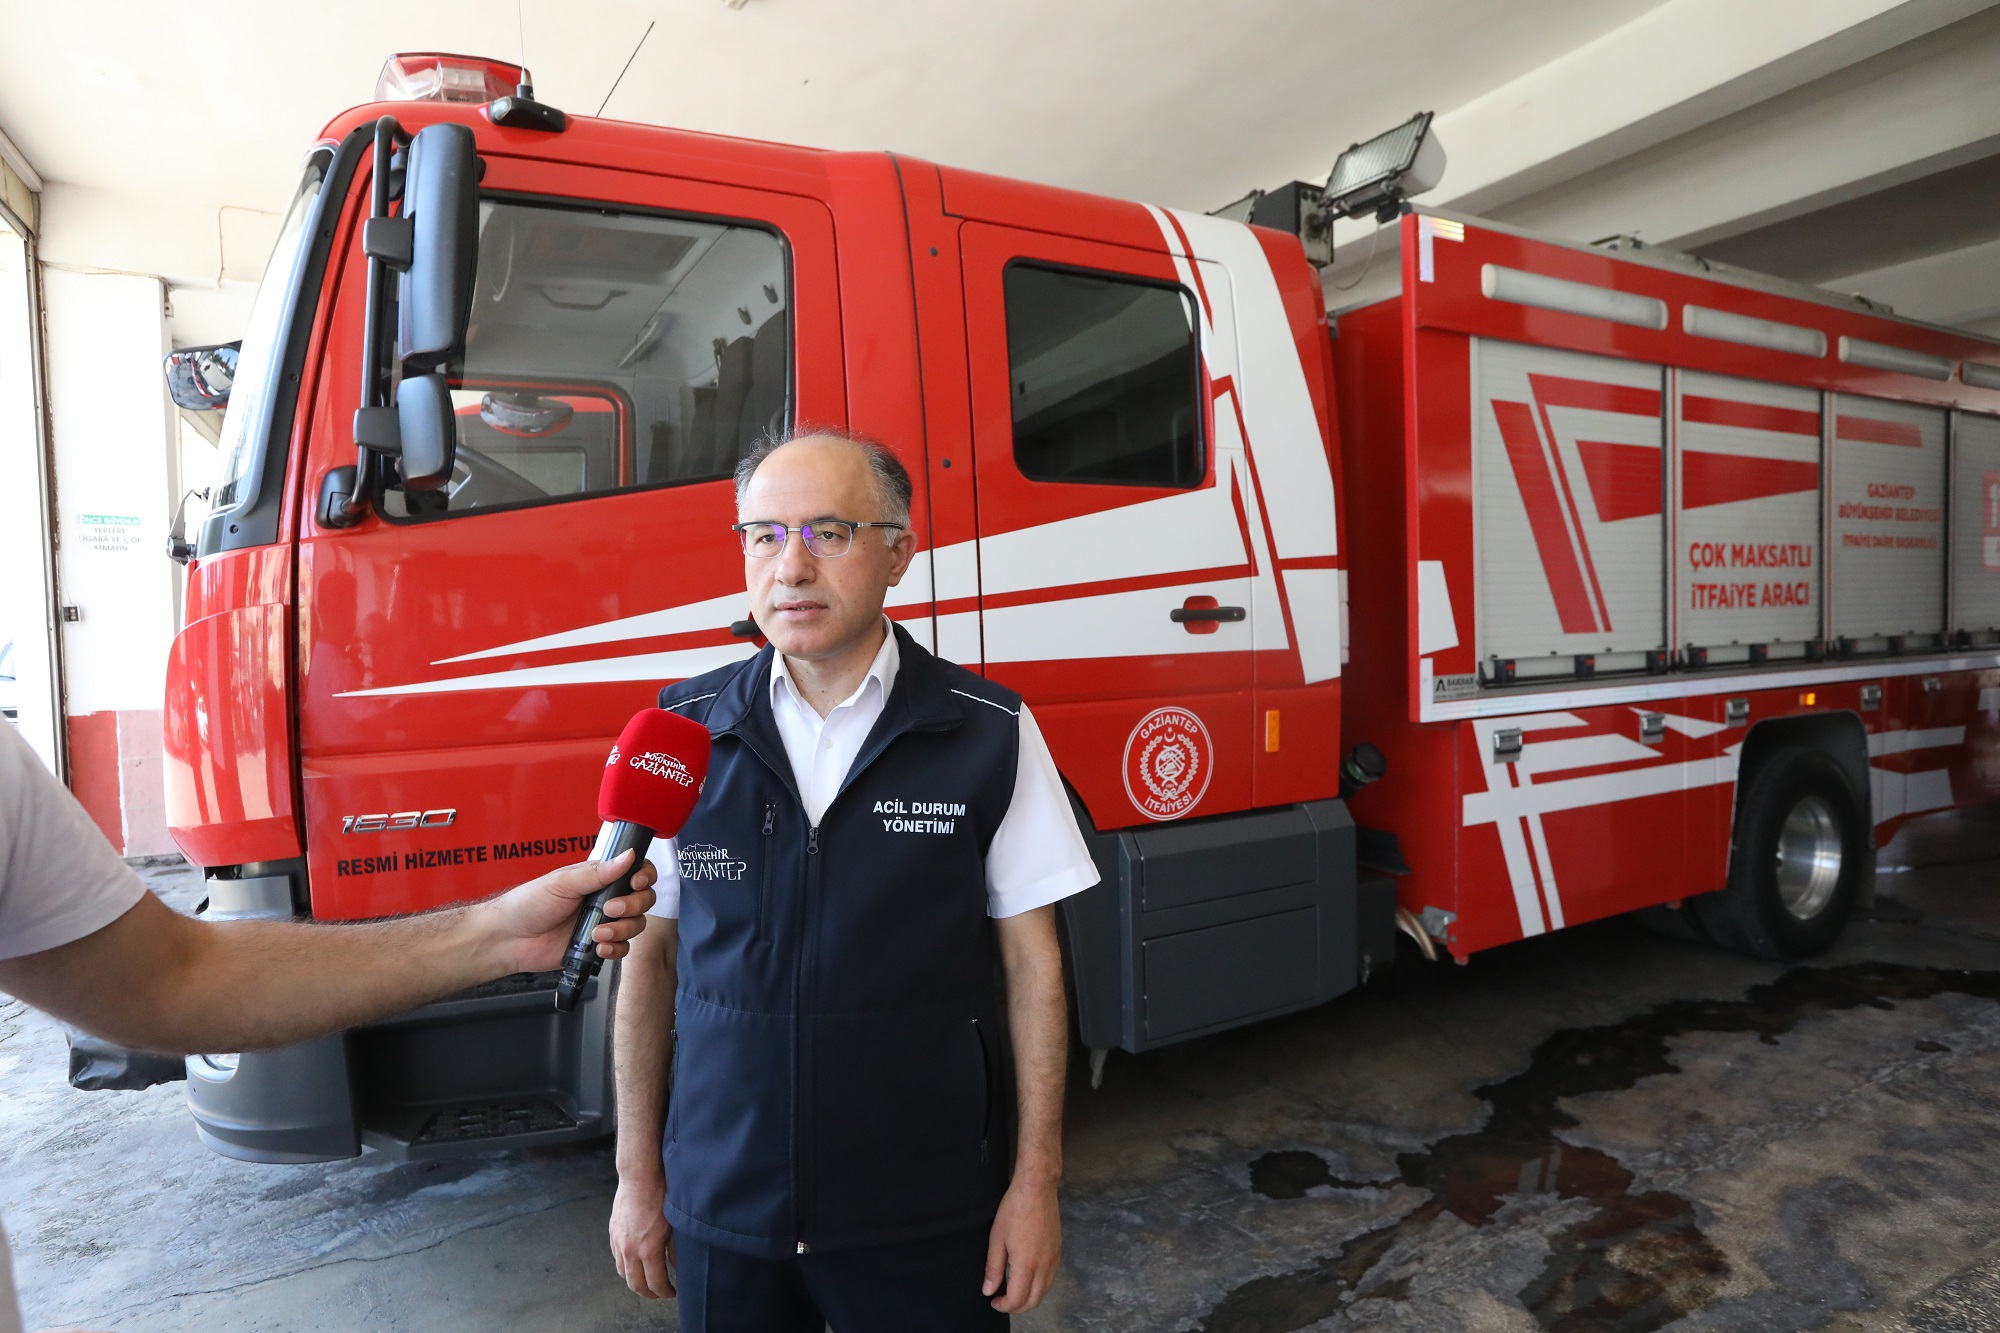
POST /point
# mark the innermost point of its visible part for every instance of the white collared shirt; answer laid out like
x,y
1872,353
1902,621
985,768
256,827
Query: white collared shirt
x,y
1037,855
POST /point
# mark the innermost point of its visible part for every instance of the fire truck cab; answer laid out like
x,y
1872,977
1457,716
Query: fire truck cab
x,y
400,675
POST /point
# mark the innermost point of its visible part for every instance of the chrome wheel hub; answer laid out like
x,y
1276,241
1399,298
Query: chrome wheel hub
x,y
1808,858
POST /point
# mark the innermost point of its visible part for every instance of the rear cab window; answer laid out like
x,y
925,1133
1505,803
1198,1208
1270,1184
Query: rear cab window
x,y
1105,378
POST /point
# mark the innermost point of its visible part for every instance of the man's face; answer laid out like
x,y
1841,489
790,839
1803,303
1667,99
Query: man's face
x,y
815,607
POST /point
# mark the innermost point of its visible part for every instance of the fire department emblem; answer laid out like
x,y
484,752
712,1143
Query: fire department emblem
x,y
1168,762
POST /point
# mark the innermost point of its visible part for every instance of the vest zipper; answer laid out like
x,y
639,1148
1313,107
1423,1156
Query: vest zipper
x,y
802,1072
985,1095
764,889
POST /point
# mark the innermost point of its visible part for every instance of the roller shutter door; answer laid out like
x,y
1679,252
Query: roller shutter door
x,y
1569,495
1886,536
1747,539
1975,523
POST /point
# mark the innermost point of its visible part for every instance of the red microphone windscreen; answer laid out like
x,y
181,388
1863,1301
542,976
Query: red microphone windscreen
x,y
655,772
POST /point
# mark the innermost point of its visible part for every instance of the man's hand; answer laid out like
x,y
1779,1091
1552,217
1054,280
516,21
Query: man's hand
x,y
642,1241
527,928
1024,1248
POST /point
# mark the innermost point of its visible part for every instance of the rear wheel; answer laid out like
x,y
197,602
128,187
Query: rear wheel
x,y
1798,862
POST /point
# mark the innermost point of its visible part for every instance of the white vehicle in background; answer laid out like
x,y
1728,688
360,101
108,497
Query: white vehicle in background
x,y
10,689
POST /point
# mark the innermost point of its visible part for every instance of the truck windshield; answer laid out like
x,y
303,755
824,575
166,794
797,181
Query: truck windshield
x,y
609,351
246,424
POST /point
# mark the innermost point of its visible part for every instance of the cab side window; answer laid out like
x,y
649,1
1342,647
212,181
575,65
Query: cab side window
x,y
1105,378
610,351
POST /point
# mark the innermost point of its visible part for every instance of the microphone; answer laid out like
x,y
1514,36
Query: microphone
x,y
651,782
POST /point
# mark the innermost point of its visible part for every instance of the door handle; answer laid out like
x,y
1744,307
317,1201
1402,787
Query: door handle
x,y
1182,615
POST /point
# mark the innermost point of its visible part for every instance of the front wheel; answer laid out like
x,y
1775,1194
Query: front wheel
x,y
1798,862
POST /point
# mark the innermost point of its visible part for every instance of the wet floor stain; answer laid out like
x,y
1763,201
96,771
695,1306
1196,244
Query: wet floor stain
x,y
1637,1261
1294,1174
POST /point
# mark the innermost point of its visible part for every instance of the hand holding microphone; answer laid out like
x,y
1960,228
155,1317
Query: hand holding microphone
x,y
650,785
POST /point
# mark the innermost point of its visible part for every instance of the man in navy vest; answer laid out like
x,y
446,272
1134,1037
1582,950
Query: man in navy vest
x,y
821,997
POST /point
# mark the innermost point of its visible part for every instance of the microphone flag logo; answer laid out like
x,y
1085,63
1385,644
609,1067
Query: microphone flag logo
x,y
662,766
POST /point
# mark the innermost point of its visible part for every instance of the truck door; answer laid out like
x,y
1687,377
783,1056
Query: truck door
x,y
1114,566
467,655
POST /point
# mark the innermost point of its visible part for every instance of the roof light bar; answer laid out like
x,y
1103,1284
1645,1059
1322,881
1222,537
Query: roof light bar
x,y
1881,356
1572,298
1377,176
1746,331
437,76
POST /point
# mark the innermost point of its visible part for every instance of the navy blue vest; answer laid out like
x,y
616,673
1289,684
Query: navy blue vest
x,y
834,1075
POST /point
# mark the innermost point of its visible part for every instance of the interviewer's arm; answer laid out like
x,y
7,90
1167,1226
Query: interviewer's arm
x,y
641,1044
157,980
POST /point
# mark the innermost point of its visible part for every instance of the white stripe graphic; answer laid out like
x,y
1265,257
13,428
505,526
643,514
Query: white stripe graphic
x,y
1514,802
715,613
1897,794
1604,789
1250,342
677,665
1116,624
1902,742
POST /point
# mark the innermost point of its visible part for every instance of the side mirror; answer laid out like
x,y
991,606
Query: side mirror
x,y
429,430
199,378
441,207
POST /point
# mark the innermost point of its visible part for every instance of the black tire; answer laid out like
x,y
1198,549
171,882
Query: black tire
x,y
1801,854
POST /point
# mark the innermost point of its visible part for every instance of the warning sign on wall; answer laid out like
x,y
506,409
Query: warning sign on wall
x,y
111,533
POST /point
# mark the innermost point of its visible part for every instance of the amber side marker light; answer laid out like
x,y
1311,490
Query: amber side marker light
x,y
1809,698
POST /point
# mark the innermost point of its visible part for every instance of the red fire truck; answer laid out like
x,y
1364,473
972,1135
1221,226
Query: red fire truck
x,y
1668,585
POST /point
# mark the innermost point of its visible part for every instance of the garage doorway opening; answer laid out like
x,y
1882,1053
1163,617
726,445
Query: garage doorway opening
x,y
29,671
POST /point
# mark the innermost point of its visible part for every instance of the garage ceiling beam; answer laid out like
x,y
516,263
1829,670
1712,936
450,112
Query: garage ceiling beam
x,y
1701,120
1923,108
1960,287
1672,70
1669,72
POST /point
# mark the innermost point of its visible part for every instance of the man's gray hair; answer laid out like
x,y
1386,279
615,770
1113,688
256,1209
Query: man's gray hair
x,y
892,479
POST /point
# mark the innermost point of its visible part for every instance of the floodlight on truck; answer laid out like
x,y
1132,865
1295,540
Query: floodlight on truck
x,y
1377,176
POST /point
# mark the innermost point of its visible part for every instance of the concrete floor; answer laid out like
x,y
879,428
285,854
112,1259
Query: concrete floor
x,y
1605,1129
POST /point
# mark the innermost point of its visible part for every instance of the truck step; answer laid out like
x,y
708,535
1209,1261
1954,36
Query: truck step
x,y
493,1120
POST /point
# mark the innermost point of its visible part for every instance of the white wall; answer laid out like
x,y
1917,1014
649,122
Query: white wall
x,y
209,255
25,616
112,431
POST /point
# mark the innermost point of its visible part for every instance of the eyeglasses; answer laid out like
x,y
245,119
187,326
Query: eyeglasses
x,y
823,536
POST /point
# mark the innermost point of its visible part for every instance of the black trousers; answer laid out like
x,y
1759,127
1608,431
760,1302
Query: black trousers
x,y
926,1286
